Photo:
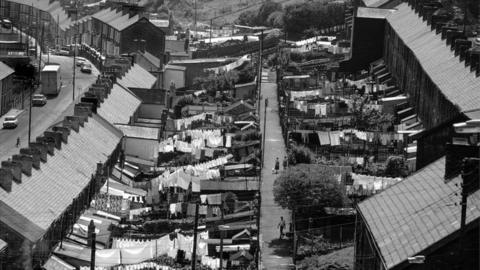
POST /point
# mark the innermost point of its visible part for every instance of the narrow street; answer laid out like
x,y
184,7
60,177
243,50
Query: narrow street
x,y
43,117
275,253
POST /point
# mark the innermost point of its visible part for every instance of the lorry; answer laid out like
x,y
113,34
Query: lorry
x,y
51,82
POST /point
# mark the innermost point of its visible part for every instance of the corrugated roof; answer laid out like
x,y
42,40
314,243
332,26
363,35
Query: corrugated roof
x,y
120,105
32,206
138,77
416,213
5,70
139,132
454,80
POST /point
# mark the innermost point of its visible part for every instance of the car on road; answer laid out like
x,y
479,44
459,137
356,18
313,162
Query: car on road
x,y
39,100
10,122
80,61
86,68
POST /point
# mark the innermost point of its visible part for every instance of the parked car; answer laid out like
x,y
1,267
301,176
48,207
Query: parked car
x,y
10,122
86,68
39,100
80,61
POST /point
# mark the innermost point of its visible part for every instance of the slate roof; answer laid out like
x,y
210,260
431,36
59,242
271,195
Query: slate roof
x,y
138,77
139,132
120,105
5,71
32,206
375,3
454,80
115,18
54,8
416,213
374,13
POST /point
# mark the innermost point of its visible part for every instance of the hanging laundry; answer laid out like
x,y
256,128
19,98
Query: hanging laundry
x,y
323,137
335,138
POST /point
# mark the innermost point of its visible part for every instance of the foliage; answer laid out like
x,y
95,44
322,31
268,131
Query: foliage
x,y
216,83
300,154
367,118
311,14
269,14
296,57
307,185
246,74
311,244
341,259
396,167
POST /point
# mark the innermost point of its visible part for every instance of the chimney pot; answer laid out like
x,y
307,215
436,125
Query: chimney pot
x,y
16,168
6,178
26,161
34,153
42,148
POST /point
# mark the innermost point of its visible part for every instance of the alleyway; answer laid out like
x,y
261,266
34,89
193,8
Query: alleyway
x,y
275,253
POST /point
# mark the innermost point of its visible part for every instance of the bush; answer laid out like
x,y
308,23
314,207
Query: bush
x,y
300,154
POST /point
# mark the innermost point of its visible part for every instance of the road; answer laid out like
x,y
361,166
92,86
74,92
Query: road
x,y
275,253
44,117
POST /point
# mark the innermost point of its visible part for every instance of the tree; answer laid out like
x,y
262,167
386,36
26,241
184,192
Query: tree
x,y
396,167
247,18
300,154
275,19
368,118
265,10
308,189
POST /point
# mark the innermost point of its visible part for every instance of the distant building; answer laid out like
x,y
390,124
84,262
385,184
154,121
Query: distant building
x,y
8,98
437,67
119,30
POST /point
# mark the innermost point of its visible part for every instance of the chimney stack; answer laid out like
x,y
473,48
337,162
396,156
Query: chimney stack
x,y
64,131
55,137
48,142
16,168
26,161
72,122
42,148
83,111
6,178
34,153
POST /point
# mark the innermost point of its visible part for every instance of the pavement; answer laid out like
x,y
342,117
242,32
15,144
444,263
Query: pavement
x,y
275,253
52,112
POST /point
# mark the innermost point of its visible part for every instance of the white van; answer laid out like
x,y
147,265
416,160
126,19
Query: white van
x,y
10,121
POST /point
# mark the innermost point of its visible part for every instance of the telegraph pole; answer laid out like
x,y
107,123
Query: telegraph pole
x,y
92,239
74,50
195,232
211,25
195,18
221,236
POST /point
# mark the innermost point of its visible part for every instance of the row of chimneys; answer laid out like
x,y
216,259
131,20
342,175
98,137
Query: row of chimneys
x,y
454,37
38,151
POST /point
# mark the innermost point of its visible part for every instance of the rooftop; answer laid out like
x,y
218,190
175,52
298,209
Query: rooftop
x,y
58,180
416,213
373,13
137,77
454,80
116,18
120,105
5,71
139,132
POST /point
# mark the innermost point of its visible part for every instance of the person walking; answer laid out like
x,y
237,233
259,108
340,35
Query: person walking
x,y
281,226
18,142
285,163
277,165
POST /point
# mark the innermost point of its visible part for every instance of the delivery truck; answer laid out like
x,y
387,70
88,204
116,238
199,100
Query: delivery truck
x,y
51,82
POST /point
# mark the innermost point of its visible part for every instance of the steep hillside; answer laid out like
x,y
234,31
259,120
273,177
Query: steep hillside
x,y
223,11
